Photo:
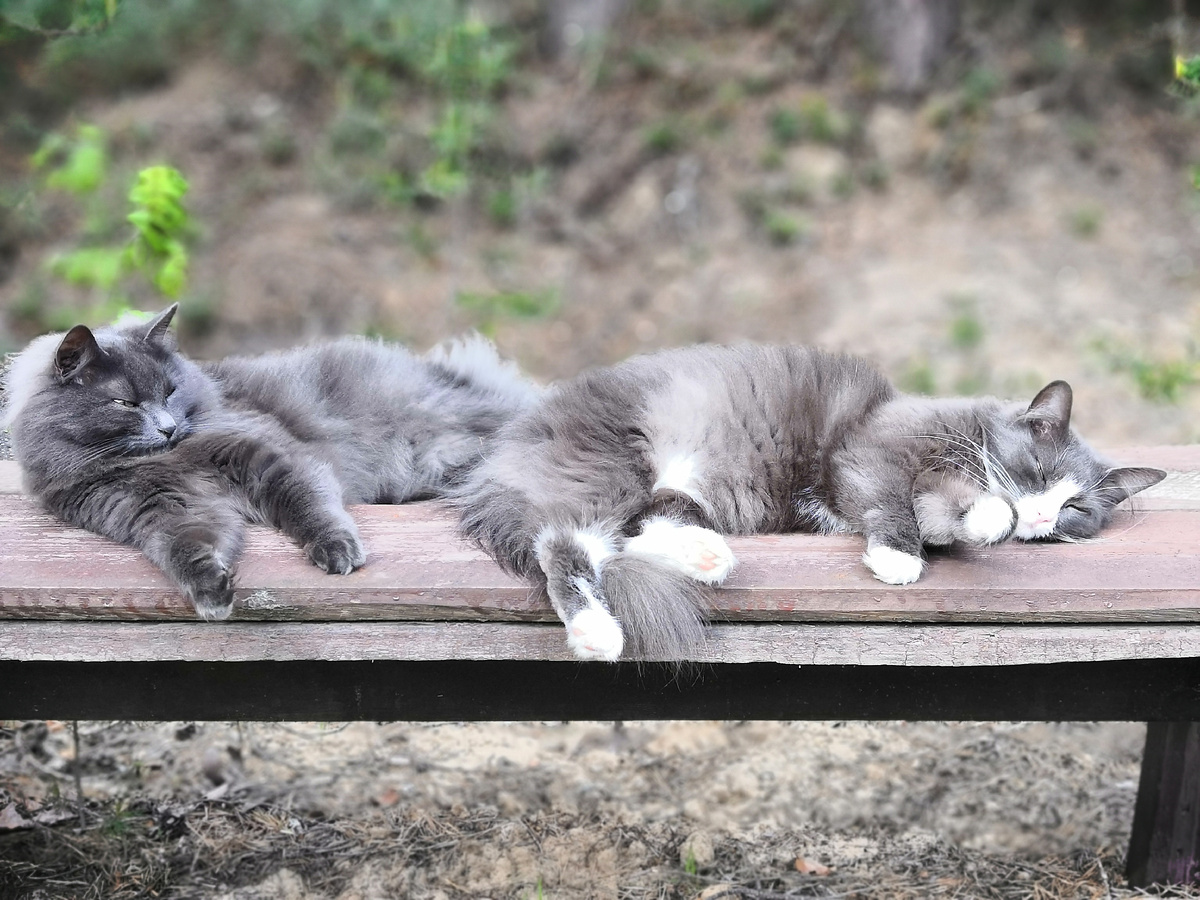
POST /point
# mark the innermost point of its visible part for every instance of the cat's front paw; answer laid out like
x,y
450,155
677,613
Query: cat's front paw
x,y
594,634
337,554
699,553
204,574
990,520
893,566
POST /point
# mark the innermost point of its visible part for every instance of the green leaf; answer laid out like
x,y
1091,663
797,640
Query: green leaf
x,y
85,164
100,267
172,275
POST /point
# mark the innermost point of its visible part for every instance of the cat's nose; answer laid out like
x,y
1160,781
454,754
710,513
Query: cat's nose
x,y
167,430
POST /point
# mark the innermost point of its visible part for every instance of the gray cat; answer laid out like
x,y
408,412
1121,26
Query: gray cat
x,y
119,433
614,491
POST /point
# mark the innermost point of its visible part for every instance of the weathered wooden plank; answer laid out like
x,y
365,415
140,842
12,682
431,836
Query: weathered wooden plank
x,y
10,477
1146,569
791,644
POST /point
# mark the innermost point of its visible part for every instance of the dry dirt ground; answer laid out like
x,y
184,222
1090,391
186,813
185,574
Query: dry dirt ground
x,y
1056,222
580,810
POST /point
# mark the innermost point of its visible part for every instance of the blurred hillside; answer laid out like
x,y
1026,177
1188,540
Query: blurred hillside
x,y
592,179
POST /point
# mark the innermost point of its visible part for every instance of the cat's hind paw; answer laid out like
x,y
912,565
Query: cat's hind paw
x,y
338,554
893,566
593,634
990,520
699,553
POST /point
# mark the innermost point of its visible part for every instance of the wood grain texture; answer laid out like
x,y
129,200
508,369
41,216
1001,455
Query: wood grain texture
x,y
796,644
1147,568
10,477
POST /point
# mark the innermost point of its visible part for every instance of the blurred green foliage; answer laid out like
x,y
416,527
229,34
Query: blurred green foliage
x,y
160,222
79,166
489,310
1157,378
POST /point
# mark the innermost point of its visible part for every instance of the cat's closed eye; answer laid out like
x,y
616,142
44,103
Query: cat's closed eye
x,y
125,404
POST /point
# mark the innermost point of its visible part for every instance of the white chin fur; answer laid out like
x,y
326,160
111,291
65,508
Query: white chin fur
x,y
1027,532
1037,514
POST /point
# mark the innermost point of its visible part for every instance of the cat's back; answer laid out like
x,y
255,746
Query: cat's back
x,y
782,389
356,374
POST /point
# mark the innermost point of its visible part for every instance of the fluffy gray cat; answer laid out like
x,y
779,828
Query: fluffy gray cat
x,y
119,433
614,492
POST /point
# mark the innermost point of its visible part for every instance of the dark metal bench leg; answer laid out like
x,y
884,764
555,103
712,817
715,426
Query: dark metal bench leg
x,y
1164,847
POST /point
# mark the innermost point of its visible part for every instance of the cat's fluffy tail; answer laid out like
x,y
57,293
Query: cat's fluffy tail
x,y
475,359
661,611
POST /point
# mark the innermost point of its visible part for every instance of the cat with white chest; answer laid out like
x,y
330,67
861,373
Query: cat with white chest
x,y
614,492
119,433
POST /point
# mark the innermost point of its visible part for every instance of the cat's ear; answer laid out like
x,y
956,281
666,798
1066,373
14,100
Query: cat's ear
x,y
76,351
1125,482
157,330
1049,415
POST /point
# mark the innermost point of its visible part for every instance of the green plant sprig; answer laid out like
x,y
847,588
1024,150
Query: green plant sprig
x,y
160,221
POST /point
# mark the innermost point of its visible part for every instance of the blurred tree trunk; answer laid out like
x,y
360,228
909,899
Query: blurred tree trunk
x,y
912,37
574,25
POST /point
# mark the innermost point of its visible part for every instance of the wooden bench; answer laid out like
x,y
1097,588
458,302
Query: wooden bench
x,y
431,630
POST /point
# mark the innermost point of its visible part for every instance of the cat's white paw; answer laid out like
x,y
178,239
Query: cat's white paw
x,y
699,553
594,634
989,519
893,566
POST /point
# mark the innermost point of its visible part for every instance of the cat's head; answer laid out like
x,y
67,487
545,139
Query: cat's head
x,y
118,391
1062,490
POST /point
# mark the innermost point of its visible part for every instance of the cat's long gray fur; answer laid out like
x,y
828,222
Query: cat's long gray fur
x,y
119,433
758,439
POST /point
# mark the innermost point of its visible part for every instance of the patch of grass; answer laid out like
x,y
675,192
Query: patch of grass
x,y
120,821
77,165
755,13
821,123
357,131
843,185
784,229
490,309
278,146
663,138
1083,137
1163,380
786,125
1084,221
978,88
646,62
1157,379
918,378
875,176
422,241
771,159
502,207
966,329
